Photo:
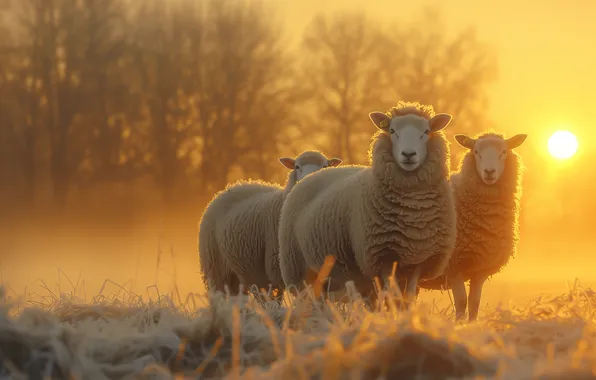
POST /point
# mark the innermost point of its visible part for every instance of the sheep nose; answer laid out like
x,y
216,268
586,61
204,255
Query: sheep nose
x,y
408,155
489,171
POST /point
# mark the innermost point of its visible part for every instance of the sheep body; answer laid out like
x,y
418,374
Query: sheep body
x,y
367,217
303,215
487,221
239,229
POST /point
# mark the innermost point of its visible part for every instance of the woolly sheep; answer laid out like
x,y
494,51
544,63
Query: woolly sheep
x,y
398,209
238,230
487,190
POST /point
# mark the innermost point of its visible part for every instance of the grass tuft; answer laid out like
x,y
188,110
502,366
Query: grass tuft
x,y
119,334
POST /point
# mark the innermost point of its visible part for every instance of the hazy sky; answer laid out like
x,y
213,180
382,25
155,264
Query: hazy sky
x,y
546,62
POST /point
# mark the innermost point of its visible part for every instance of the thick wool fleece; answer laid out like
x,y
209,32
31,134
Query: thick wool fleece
x,y
238,233
487,221
369,217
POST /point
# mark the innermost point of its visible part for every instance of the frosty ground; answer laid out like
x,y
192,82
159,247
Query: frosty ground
x,y
124,336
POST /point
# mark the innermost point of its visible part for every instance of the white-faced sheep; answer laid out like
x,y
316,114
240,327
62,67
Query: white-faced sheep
x,y
367,217
487,190
238,230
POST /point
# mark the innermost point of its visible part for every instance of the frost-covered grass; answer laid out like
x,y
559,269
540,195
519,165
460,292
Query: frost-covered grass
x,y
122,335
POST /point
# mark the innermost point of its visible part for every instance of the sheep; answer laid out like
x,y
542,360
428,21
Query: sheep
x,y
487,191
238,229
398,209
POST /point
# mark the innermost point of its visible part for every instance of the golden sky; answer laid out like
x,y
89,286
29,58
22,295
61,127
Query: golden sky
x,y
547,66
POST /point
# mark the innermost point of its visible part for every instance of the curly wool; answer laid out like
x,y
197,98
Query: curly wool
x,y
238,233
487,220
241,220
414,211
369,217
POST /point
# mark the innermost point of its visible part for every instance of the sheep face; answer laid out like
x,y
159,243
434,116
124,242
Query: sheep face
x,y
490,153
409,136
308,163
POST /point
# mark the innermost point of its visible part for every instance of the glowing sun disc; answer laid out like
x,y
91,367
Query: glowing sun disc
x,y
562,145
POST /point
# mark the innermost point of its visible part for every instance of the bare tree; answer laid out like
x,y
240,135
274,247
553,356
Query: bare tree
x,y
342,57
111,107
20,111
451,73
353,67
160,45
244,95
193,92
69,46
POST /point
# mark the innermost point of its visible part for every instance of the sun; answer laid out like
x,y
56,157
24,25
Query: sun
x,y
562,145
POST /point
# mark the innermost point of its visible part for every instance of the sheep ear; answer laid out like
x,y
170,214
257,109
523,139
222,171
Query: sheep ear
x,y
465,141
288,162
439,121
381,120
334,161
515,141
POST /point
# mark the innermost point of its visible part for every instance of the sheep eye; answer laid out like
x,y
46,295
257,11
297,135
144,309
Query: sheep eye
x,y
427,132
391,131
297,167
475,151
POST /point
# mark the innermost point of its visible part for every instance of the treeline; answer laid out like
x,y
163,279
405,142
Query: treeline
x,y
177,97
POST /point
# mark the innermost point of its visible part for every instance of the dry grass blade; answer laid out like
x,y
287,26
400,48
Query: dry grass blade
x,y
332,363
322,275
212,354
180,353
237,328
272,330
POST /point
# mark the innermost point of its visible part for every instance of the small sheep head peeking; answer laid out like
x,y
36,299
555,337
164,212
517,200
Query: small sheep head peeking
x,y
409,135
490,153
306,164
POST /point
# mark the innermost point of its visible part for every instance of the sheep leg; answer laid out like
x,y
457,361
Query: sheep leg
x,y
292,264
233,284
412,286
458,287
337,278
476,284
366,288
387,281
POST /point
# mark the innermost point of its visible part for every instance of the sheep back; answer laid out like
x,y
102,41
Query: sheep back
x,y
310,221
239,228
487,221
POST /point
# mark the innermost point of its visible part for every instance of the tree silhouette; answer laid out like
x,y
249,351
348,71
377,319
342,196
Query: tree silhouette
x,y
353,67
452,74
187,95
243,90
68,48
342,56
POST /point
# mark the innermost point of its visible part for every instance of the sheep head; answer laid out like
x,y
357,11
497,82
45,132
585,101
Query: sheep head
x,y
409,135
490,153
308,162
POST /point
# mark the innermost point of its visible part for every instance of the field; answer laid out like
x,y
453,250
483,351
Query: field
x,y
122,335
533,323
